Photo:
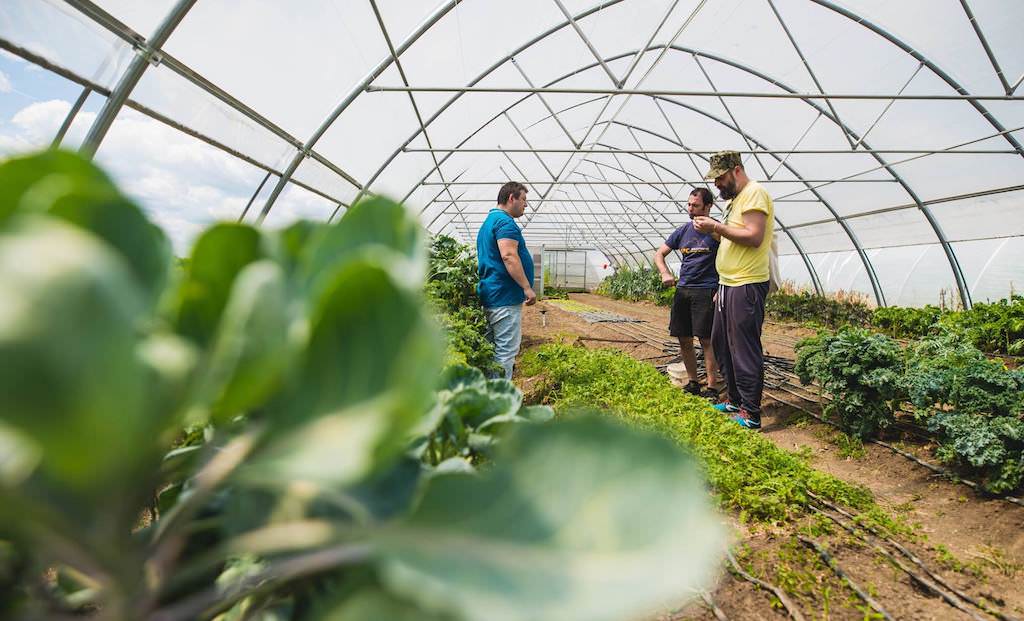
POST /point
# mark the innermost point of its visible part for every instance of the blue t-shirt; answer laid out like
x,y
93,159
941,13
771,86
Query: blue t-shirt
x,y
496,287
698,250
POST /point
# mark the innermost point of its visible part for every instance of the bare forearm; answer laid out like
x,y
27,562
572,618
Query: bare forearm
x,y
659,262
739,234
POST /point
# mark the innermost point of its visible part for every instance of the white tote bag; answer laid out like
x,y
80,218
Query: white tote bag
x,y
774,276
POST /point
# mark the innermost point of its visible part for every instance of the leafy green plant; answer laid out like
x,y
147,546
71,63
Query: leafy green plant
x,y
905,322
634,285
805,306
469,415
975,406
748,473
451,288
861,370
996,327
302,363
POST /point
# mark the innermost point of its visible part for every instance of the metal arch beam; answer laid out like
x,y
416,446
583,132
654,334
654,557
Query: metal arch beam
x,y
961,283
427,23
815,280
101,17
544,165
131,77
865,260
814,277
486,72
950,254
869,268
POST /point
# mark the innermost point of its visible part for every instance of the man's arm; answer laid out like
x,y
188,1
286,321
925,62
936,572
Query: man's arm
x,y
659,260
750,233
509,250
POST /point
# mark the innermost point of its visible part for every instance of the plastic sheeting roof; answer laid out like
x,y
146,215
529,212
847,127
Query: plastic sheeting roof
x,y
906,181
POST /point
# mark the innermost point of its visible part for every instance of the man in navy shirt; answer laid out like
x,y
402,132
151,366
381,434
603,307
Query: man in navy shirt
x,y
505,268
693,308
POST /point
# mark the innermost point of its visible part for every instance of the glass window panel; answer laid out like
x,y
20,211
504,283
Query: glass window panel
x,y
894,228
823,238
34,104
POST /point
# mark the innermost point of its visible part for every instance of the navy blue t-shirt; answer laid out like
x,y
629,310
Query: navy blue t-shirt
x,y
496,287
698,250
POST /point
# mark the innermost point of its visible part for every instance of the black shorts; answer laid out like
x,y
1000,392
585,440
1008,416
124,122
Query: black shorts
x,y
693,312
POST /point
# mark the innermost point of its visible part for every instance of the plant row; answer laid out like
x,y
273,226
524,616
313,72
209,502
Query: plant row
x,y
974,406
996,327
452,279
748,473
283,394
634,285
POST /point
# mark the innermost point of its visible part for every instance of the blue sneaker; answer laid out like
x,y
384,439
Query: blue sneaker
x,y
726,407
745,420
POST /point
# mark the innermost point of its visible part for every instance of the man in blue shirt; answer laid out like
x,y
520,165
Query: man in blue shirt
x,y
505,268
693,308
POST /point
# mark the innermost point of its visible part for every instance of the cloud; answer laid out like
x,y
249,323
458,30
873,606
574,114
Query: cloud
x,y
182,183
5,83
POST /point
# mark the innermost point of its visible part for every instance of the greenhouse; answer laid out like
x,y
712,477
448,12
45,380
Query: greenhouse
x,y
254,362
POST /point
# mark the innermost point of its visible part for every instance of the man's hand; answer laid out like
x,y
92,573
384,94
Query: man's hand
x,y
667,279
704,224
531,296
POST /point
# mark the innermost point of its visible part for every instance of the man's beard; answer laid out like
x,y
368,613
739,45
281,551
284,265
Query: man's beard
x,y
728,192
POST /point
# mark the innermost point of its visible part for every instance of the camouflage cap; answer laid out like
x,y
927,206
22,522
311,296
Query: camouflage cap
x,y
722,162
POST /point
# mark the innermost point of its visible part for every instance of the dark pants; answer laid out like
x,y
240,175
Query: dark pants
x,y
736,337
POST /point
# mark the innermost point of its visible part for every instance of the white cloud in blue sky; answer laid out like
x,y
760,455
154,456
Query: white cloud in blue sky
x,y
183,184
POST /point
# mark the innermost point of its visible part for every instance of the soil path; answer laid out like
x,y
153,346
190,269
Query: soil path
x,y
975,544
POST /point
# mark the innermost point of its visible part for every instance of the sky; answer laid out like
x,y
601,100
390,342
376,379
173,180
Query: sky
x,y
183,184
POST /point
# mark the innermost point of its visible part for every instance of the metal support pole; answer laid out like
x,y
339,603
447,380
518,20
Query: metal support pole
x,y
245,211
988,50
431,19
147,52
587,42
683,93
72,113
412,101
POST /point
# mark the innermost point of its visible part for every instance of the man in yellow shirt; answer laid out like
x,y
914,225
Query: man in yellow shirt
x,y
743,274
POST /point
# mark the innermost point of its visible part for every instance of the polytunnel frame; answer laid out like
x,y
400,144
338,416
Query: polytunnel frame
x,y
869,268
146,51
925,61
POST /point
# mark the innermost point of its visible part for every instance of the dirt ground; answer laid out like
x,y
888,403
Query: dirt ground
x,y
974,543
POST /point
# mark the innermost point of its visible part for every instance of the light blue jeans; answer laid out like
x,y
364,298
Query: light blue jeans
x,y
505,330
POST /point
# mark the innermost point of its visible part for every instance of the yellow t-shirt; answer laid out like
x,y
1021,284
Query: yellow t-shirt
x,y
743,265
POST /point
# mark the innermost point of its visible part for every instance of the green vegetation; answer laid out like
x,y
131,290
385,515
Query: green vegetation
x,y
805,306
861,370
973,405
996,327
633,285
451,289
748,472
277,392
902,322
